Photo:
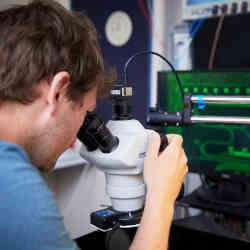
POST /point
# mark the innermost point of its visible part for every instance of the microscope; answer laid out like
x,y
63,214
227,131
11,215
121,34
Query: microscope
x,y
119,147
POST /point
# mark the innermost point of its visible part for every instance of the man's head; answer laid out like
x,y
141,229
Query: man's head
x,y
41,39
50,63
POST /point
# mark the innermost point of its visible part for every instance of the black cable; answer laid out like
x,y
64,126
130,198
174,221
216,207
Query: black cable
x,y
163,58
176,75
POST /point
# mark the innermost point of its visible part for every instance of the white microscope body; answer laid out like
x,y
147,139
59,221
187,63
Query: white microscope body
x,y
123,167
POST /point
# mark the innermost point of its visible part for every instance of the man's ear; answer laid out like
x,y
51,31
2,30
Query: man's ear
x,y
57,90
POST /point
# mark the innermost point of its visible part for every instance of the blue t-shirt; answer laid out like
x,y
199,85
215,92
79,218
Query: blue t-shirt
x,y
29,218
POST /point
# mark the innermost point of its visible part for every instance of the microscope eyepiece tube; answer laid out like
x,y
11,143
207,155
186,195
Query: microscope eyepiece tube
x,y
94,134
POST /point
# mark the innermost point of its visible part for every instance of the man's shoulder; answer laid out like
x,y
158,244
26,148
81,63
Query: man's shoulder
x,y
9,153
28,211
15,165
18,176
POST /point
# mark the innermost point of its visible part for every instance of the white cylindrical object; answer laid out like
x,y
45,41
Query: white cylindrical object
x,y
221,99
126,192
221,119
159,45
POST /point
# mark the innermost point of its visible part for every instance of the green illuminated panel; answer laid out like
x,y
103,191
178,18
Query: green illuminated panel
x,y
211,148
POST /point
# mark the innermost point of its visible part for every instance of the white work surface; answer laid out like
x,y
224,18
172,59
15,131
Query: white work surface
x,y
79,190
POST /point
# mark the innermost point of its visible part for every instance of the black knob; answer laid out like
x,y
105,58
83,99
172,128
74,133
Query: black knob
x,y
224,8
215,10
164,142
244,7
234,8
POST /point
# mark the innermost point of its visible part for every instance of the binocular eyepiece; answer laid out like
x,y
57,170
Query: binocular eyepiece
x,y
94,134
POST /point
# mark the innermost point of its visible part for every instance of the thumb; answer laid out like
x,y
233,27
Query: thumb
x,y
154,144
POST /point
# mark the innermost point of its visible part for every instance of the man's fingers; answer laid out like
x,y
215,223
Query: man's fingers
x,y
174,138
184,157
185,171
154,144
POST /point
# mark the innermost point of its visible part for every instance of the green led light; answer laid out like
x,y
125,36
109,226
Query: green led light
x,y
195,90
216,90
248,91
237,91
186,90
245,150
205,90
226,90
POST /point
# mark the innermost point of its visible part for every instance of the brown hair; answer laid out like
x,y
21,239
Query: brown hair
x,y
41,39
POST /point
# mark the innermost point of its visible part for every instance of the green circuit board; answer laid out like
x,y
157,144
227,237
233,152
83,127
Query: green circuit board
x,y
214,149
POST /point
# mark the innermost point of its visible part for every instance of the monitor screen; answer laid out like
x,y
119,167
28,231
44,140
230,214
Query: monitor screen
x,y
212,149
194,2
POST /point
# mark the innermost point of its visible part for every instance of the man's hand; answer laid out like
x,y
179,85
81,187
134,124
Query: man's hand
x,y
165,172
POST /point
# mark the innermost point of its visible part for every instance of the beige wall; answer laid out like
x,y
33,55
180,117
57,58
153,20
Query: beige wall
x,y
79,191
66,3
5,3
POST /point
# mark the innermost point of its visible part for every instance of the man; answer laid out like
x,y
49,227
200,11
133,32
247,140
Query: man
x,y
51,70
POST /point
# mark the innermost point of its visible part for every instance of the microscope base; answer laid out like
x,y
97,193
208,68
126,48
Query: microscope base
x,y
108,219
